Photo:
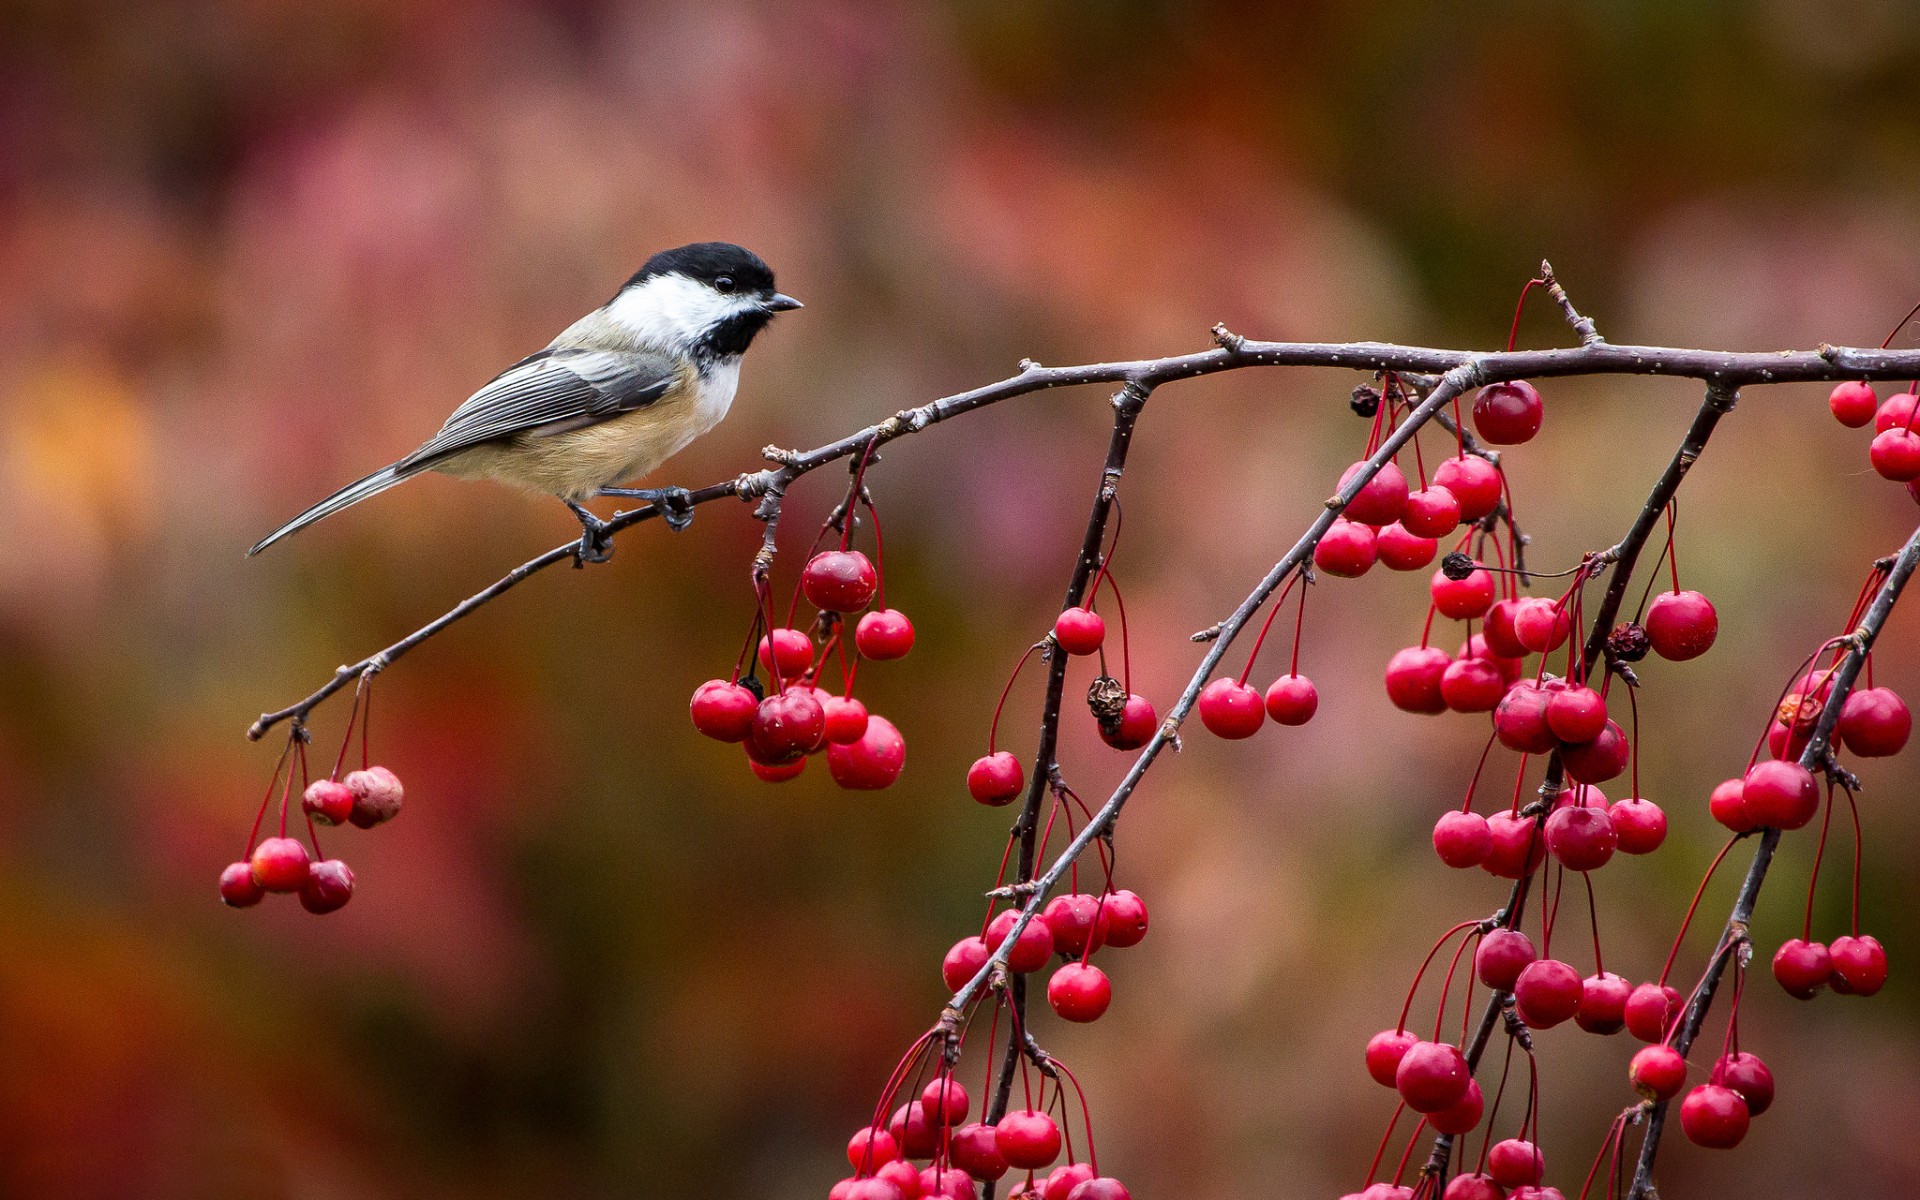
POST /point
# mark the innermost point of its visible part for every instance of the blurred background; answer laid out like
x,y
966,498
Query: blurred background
x,y
250,249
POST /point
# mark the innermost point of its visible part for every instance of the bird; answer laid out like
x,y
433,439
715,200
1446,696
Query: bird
x,y
618,393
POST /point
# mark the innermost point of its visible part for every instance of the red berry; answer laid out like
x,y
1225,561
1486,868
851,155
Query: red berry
x,y
1430,513
883,634
776,772
1547,993
1581,837
1075,918
786,653
1384,1052
995,779
1520,719
1515,847
1895,454
1400,550
1474,1187
1103,1187
1516,1163
1123,919
1292,700
1714,1116
1874,722
1781,794
328,887
943,1182
1079,992
1639,825
945,1101
871,763
963,962
1508,413
785,726
1746,1074
904,1176
1079,631
975,1150
914,1130
1853,403
1599,760
1432,1076
1474,482
841,581
1461,839
1499,631
1657,1072
1785,743
1383,498
873,1188
377,796
1681,625
1576,714
1031,949
1540,624
1027,1139
1859,965
1231,709
870,1149
1471,685
846,719
1137,724
1897,410
328,802
1462,599
723,710
238,889
1413,679
1728,804
1603,1003
1651,1011
1461,1116
280,864
1802,968
1346,549
1064,1179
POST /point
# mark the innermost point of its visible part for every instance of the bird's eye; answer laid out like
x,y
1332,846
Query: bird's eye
x,y
724,285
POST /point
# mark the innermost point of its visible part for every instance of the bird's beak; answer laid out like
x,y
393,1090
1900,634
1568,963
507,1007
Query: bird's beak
x,y
781,302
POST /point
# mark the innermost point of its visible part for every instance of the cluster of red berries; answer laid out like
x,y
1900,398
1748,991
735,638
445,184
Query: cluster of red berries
x,y
1895,450
1716,1113
1071,926
365,798
797,718
961,1153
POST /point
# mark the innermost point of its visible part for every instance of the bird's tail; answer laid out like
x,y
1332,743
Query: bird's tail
x,y
351,494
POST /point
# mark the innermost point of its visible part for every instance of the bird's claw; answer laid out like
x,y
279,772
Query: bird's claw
x,y
596,538
675,505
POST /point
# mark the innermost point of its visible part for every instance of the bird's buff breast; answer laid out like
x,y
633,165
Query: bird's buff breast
x,y
576,464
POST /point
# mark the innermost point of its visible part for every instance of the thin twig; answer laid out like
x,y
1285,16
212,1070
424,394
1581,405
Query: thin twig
x,y
1816,756
1828,363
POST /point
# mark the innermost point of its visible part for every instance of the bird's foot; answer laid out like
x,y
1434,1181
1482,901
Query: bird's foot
x,y
674,504
596,539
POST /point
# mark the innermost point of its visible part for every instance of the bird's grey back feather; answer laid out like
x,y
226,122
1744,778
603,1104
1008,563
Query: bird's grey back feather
x,y
550,392
553,391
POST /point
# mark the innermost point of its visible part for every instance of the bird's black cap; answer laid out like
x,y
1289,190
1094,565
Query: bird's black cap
x,y
708,261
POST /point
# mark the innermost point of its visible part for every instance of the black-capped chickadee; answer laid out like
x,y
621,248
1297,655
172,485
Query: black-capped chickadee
x,y
622,390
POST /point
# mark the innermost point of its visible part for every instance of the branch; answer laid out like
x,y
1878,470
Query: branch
x,y
1622,555
1127,404
1454,382
1814,757
1726,368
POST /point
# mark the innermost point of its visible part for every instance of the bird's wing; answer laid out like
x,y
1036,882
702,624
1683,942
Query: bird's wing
x,y
549,392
